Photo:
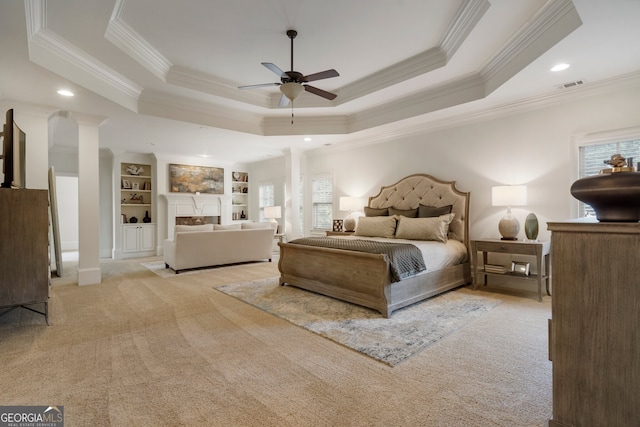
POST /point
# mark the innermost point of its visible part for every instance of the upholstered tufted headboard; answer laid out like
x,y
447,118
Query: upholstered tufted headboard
x,y
422,189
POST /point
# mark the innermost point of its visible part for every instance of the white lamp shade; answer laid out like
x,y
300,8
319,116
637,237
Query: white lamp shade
x,y
509,195
350,204
291,90
272,212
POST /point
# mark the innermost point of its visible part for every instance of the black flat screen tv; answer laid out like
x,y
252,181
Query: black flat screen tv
x,y
13,154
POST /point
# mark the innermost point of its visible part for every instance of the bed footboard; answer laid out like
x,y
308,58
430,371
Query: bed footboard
x,y
357,277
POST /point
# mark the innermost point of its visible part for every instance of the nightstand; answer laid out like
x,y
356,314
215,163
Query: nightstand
x,y
540,250
339,233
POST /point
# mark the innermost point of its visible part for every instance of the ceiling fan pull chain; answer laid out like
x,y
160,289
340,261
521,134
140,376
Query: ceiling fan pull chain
x,y
291,112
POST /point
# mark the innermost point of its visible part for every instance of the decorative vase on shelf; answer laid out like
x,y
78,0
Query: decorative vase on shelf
x,y
531,227
133,220
146,218
614,194
242,215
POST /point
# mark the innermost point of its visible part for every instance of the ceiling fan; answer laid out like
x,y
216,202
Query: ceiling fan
x,y
292,83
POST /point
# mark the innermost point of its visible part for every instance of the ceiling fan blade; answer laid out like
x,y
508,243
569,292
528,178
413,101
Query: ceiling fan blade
x,y
284,101
258,85
321,75
275,69
323,93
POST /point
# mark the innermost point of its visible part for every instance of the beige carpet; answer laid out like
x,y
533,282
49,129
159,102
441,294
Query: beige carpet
x,y
146,351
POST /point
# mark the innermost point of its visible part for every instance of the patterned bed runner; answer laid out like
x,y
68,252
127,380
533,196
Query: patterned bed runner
x,y
405,259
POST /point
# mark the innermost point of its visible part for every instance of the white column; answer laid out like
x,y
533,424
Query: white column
x,y
89,272
292,191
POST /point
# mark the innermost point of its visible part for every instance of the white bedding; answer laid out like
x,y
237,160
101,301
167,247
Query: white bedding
x,y
437,255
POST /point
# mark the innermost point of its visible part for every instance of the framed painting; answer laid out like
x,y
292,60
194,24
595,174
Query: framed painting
x,y
196,179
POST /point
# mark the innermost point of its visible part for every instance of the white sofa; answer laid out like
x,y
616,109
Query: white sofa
x,y
207,246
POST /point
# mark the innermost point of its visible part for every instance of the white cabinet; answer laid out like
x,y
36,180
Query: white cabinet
x,y
138,240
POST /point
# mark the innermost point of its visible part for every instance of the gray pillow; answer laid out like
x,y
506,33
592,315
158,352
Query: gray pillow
x,y
432,211
375,212
410,213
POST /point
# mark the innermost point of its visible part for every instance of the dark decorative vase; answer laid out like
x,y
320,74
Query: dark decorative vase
x,y
146,218
133,220
531,227
614,196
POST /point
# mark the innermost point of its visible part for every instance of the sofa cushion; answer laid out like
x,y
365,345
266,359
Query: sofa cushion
x,y
189,228
227,227
254,225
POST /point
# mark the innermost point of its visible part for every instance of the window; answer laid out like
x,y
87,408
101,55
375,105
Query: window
x,y
267,198
322,202
592,156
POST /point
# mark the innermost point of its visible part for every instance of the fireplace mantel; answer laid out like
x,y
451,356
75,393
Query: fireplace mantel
x,y
184,204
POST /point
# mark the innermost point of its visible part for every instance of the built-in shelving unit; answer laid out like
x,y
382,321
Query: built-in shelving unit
x,y
136,210
239,196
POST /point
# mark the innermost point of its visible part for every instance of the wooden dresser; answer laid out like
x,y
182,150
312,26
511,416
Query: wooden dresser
x,y
24,249
594,340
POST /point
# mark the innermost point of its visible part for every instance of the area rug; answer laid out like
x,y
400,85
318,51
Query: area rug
x,y
391,341
159,268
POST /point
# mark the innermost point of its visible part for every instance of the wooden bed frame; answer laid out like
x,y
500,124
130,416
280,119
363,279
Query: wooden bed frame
x,y
364,278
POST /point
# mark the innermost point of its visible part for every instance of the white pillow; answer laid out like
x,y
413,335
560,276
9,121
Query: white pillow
x,y
226,227
202,227
435,228
376,226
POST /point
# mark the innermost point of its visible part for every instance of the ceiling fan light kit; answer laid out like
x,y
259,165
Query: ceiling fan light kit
x,y
293,83
291,90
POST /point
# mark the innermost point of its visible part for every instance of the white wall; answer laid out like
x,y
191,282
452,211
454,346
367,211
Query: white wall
x,y
67,198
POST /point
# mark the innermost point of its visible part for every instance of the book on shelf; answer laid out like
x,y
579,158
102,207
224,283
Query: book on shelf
x,y
493,268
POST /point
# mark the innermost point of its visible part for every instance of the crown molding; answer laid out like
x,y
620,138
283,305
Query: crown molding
x,y
184,109
130,42
49,50
466,19
455,118
304,125
207,83
552,23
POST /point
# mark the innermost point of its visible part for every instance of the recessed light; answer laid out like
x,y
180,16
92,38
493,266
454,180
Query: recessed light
x,y
65,92
560,67
205,155
307,139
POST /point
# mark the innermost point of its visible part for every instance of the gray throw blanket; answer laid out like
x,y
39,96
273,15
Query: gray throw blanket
x,y
405,259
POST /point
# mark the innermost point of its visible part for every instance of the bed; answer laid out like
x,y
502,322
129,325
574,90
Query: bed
x,y
366,278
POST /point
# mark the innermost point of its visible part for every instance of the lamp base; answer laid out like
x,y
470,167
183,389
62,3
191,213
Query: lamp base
x,y
509,227
349,224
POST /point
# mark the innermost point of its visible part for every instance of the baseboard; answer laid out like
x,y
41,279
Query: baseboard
x,y
89,276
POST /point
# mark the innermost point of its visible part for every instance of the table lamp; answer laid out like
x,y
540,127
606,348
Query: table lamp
x,y
509,195
350,204
273,213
